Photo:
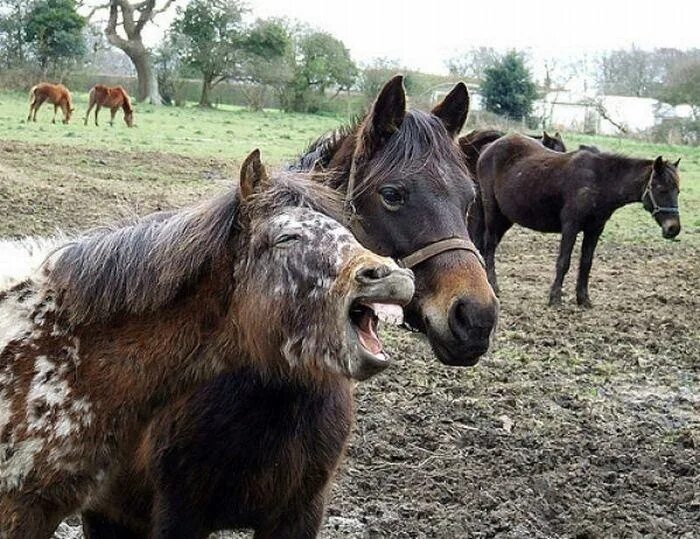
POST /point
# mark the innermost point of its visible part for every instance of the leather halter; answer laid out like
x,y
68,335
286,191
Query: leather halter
x,y
424,253
655,208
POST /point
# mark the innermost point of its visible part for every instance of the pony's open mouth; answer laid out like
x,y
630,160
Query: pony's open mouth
x,y
364,320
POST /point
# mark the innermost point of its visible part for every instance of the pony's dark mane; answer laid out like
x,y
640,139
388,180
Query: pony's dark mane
x,y
142,266
322,149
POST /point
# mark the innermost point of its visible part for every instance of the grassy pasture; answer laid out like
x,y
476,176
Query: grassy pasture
x,y
577,424
229,133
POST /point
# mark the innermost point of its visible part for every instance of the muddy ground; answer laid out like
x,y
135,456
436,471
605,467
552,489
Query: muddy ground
x,y
579,423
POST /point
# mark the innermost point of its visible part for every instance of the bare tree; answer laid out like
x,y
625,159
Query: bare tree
x,y
124,28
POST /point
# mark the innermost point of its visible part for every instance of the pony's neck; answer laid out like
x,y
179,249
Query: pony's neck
x,y
633,181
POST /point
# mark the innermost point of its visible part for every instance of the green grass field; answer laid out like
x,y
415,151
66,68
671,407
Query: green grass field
x,y
229,133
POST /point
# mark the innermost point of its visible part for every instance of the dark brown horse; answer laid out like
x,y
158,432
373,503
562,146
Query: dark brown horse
x,y
112,327
407,192
56,94
472,144
114,98
523,183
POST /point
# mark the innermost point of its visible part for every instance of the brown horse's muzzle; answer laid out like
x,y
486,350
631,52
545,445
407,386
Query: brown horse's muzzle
x,y
670,227
455,307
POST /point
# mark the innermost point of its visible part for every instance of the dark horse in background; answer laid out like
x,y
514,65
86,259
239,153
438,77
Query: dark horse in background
x,y
472,144
406,190
524,183
407,193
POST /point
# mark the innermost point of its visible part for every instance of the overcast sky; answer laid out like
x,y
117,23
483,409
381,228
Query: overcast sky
x,y
421,35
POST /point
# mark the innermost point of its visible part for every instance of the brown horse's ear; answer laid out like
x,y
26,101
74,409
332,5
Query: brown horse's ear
x,y
659,164
545,136
253,174
385,117
557,136
453,110
675,165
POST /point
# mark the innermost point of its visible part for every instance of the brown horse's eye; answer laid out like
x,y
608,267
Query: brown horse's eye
x,y
285,240
392,198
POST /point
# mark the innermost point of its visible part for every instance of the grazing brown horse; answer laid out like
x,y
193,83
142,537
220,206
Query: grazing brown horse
x,y
407,193
114,326
472,144
112,98
56,94
522,182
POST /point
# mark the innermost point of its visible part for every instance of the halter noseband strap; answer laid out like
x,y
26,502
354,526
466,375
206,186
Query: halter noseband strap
x,y
655,208
438,247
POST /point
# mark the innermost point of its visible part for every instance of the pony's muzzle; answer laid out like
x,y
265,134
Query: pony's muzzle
x,y
385,283
670,228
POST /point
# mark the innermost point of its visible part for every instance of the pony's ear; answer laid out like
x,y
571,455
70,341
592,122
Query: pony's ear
x,y
453,110
545,136
557,136
385,117
675,165
253,174
659,164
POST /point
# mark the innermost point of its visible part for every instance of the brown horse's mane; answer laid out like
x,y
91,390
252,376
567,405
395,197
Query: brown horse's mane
x,y
126,105
142,266
420,141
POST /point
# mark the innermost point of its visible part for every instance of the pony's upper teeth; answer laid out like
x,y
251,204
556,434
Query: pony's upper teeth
x,y
389,313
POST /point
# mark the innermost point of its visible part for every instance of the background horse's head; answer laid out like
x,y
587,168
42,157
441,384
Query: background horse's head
x,y
304,285
660,197
555,142
408,190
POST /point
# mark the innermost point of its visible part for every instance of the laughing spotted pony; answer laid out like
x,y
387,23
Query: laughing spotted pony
x,y
99,334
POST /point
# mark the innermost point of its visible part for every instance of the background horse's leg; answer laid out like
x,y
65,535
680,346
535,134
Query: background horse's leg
x,y
97,110
568,239
38,104
55,110
303,522
87,114
112,112
495,225
590,240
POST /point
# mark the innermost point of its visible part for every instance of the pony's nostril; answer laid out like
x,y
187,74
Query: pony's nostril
x,y
370,274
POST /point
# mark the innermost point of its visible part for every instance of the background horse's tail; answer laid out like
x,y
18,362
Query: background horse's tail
x,y
32,95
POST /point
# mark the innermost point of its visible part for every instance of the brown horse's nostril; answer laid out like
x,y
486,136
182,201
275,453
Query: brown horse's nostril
x,y
370,274
471,323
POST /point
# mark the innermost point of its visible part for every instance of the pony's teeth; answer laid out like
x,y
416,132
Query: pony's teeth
x,y
389,313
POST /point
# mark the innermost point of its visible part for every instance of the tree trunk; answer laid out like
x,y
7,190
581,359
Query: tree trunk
x,y
147,81
205,99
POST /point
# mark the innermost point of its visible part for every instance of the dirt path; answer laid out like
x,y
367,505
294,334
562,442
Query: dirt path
x,y
578,424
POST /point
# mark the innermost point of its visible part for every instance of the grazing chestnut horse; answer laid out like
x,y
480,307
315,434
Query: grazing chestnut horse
x,y
407,193
112,98
472,144
114,326
522,182
56,94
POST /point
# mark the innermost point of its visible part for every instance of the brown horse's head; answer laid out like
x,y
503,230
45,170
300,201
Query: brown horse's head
x,y
129,117
660,197
305,286
407,191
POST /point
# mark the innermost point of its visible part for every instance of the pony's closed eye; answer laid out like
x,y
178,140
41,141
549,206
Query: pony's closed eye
x,y
286,240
